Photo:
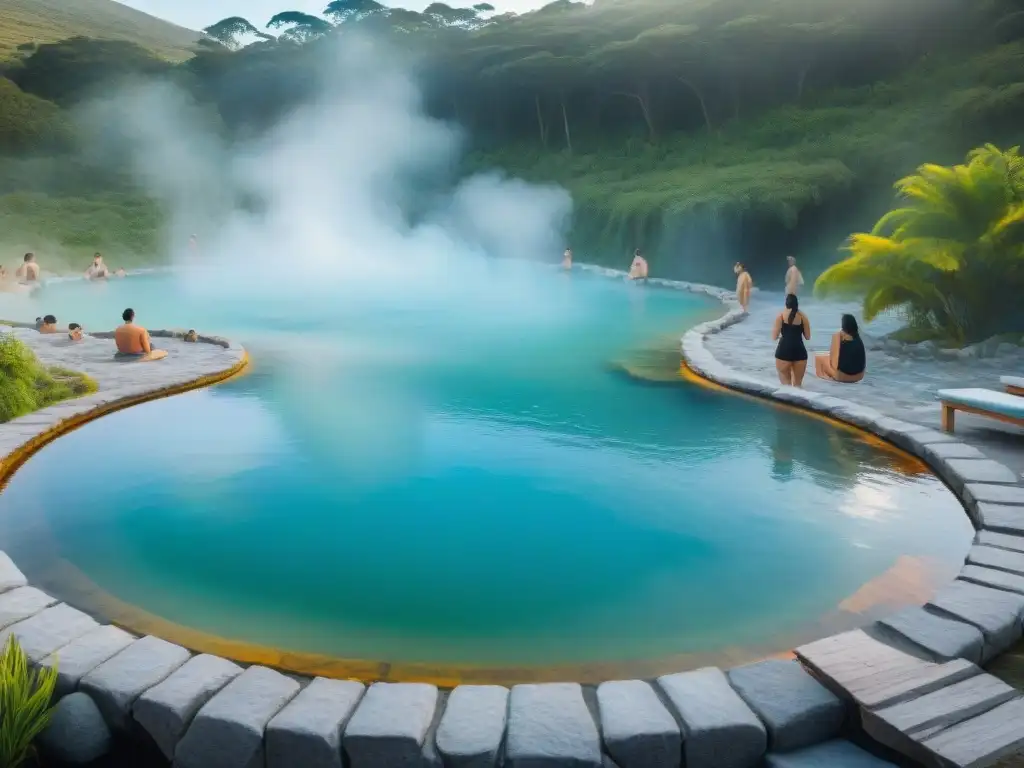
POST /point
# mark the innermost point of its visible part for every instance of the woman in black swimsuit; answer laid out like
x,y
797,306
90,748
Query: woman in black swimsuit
x,y
846,360
791,328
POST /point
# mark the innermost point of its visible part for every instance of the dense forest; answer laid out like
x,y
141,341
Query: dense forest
x,y
700,130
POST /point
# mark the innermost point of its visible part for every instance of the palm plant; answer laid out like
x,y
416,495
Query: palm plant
x,y
951,257
25,704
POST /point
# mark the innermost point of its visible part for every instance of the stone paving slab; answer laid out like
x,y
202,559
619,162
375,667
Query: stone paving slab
x,y
83,655
719,729
1001,517
990,577
993,557
227,732
995,612
472,729
831,754
1000,540
977,493
49,630
390,725
20,603
118,682
639,732
308,730
166,710
10,576
944,638
797,710
983,739
550,726
981,471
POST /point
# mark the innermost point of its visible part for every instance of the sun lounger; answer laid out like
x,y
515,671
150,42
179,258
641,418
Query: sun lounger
x,y
1014,384
983,402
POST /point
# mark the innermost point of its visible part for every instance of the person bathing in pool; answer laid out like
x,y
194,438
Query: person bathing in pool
x,y
846,360
75,332
638,269
49,325
790,329
133,340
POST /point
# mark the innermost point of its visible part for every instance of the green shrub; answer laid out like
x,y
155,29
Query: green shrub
x,y
26,386
25,704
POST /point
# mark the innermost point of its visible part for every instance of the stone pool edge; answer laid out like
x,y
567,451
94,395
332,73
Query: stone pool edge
x,y
202,710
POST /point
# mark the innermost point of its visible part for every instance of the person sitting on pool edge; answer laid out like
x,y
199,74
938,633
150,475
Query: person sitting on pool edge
x,y
133,340
846,361
75,331
638,269
49,325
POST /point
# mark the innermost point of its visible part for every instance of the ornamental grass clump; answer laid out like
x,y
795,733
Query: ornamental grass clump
x,y
25,704
26,385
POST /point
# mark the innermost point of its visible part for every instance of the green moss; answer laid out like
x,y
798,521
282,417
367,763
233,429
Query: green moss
x,y
26,385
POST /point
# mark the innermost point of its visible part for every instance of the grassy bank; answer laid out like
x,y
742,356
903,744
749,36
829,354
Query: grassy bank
x,y
26,385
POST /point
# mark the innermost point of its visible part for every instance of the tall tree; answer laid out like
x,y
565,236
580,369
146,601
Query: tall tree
x,y
341,11
299,27
230,32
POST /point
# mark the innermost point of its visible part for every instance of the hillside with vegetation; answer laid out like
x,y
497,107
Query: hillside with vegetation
x,y
26,23
703,131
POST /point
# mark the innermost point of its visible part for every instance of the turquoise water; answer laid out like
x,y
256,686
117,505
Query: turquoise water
x,y
450,479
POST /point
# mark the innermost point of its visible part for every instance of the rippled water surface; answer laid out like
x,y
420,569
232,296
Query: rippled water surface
x,y
493,482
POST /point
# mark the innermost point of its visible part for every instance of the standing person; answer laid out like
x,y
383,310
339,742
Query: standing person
x,y
790,329
567,259
28,272
97,270
133,340
744,282
794,280
638,269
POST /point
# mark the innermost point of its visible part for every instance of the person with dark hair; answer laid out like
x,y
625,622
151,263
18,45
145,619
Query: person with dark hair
x,y
28,272
97,270
567,259
790,329
744,283
133,340
638,269
75,332
846,361
49,324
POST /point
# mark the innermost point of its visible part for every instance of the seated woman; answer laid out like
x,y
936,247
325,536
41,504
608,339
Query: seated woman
x,y
133,340
49,325
846,361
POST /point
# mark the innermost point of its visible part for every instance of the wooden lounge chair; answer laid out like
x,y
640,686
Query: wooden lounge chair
x,y
983,402
1014,384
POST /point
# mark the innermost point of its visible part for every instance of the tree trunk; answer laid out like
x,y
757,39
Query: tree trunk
x,y
565,124
540,122
700,97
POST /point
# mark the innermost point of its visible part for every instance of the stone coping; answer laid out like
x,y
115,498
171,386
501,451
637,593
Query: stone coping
x,y
202,710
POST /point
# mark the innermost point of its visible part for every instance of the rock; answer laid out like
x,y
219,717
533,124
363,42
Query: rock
x,y
549,725
894,346
81,656
10,576
228,730
942,637
307,732
166,709
116,683
831,754
49,630
797,709
1005,349
20,603
639,732
473,726
390,725
996,613
719,729
77,734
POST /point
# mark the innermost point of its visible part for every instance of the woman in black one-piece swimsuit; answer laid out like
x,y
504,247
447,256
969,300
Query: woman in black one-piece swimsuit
x,y
791,328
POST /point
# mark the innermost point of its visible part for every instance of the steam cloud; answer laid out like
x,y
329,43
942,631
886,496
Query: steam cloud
x,y
346,192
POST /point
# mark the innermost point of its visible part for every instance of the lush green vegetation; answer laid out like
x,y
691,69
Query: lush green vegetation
x,y
951,256
26,385
25,703
701,131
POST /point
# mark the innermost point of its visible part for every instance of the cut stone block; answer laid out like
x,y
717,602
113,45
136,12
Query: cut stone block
x,y
990,577
1000,559
940,451
307,731
116,683
831,754
719,729
797,709
983,739
639,732
166,709
549,725
20,603
50,629
473,726
995,612
994,494
10,576
942,637
981,471
390,725
1000,540
1001,517
228,730
83,655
